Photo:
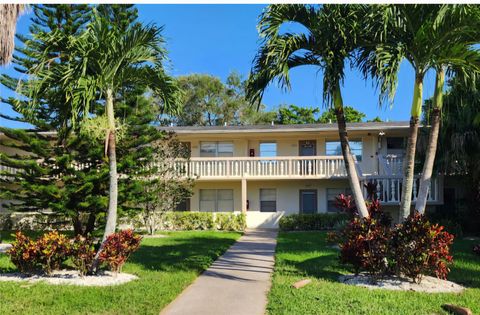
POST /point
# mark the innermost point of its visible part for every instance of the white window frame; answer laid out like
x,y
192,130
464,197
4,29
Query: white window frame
x,y
359,157
268,142
216,201
260,199
217,152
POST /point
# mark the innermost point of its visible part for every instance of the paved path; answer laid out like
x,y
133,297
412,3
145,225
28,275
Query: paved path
x,y
236,284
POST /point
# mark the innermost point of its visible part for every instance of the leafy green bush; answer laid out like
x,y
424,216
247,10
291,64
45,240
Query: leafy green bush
x,y
230,222
311,222
186,220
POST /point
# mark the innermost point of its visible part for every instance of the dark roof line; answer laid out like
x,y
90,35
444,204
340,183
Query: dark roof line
x,y
289,128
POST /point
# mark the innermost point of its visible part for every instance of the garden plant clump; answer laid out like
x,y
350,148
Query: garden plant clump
x,y
48,254
118,247
412,249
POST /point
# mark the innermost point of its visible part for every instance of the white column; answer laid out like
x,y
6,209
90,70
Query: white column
x,y
244,195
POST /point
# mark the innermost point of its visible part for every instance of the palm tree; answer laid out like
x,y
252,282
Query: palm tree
x,y
104,60
9,14
330,41
461,59
416,33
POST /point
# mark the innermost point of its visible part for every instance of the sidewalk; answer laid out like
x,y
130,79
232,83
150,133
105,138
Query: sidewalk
x,y
236,284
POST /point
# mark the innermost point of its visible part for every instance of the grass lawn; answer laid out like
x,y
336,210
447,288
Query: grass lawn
x,y
165,266
306,254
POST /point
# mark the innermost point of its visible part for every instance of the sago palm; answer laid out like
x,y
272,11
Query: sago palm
x,y
105,59
328,43
416,33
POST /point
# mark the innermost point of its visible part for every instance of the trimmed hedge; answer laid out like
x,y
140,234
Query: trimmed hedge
x,y
186,220
312,222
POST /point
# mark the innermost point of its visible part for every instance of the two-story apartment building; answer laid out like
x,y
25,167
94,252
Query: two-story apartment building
x,y
269,171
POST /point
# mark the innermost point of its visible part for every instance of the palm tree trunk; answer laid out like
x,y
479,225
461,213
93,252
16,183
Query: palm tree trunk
x,y
113,190
432,143
112,160
347,156
409,166
9,15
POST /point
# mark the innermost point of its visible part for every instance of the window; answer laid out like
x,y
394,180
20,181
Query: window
x,y
395,143
268,149
335,148
224,200
216,200
268,200
332,193
183,205
216,149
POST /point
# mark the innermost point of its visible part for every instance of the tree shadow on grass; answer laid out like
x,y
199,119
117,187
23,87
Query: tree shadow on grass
x,y
188,254
321,267
466,267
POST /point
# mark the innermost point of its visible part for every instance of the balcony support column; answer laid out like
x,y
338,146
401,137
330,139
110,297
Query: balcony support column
x,y
244,195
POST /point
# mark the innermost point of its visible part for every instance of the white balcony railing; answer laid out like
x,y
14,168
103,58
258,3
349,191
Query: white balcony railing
x,y
389,188
6,170
390,164
257,167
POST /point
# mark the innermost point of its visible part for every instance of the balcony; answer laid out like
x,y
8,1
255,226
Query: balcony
x,y
389,189
290,167
390,164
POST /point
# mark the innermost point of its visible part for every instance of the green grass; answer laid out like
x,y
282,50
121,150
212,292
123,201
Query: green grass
x,y
165,266
307,255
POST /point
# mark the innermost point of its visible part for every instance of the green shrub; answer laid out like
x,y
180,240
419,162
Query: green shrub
x,y
312,222
186,220
230,221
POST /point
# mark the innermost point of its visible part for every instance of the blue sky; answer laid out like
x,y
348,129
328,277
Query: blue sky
x,y
218,39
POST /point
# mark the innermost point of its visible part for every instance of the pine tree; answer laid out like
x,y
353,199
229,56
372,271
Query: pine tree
x,y
59,171
65,172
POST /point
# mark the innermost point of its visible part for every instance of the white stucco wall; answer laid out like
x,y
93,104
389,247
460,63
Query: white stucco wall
x,y
288,197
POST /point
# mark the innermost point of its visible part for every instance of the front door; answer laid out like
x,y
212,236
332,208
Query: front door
x,y
307,148
308,201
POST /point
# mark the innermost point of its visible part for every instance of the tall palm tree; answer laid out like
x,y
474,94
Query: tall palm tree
x,y
104,60
330,41
462,60
415,33
9,14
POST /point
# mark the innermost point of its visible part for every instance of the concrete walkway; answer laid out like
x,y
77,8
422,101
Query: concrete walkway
x,y
236,284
